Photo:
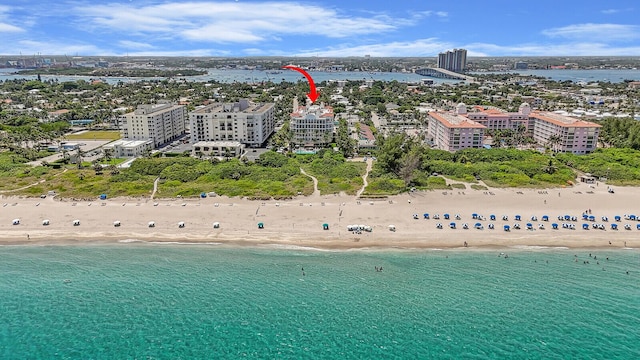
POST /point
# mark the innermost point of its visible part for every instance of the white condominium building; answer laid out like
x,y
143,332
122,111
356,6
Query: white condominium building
x,y
248,123
161,123
311,125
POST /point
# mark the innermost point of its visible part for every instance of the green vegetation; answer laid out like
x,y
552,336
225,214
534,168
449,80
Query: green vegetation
x,y
619,166
334,174
94,135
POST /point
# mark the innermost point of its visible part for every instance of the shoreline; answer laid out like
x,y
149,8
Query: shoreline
x,y
299,222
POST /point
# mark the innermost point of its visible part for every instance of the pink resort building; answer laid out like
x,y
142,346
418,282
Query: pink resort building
x,y
462,129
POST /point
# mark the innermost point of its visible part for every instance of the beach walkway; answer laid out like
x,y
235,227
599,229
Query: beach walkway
x,y
316,192
364,177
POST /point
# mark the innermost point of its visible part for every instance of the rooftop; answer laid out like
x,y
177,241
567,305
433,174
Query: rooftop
x,y
455,121
562,120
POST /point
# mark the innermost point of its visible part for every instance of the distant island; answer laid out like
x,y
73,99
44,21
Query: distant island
x,y
114,72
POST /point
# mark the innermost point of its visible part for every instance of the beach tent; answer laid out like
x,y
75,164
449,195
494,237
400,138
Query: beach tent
x,y
45,222
545,217
507,228
614,226
585,226
325,226
426,216
367,228
627,227
541,226
103,196
216,225
465,226
574,218
534,218
116,223
16,222
76,222
632,217
490,226
617,218
554,226
505,218
452,225
638,226
518,218
181,224
516,226
492,217
439,225
392,228
260,225
415,216
604,218
152,224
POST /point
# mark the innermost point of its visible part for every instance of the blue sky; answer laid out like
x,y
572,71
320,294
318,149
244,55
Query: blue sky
x,y
320,28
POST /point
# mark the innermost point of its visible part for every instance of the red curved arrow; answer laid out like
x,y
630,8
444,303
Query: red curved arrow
x,y
313,94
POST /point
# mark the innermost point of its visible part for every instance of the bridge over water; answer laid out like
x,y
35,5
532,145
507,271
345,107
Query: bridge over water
x,y
443,74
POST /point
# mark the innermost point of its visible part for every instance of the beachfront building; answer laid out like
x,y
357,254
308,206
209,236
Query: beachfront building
x,y
559,132
311,125
451,132
248,123
226,149
564,133
160,123
129,148
493,118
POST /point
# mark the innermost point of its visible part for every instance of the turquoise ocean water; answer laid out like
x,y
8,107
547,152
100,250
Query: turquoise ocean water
x,y
145,301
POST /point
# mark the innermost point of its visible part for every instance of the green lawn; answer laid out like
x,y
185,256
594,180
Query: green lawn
x,y
95,135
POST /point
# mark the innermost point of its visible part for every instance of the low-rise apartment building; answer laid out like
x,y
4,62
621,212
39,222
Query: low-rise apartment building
x,y
160,123
311,125
248,123
452,132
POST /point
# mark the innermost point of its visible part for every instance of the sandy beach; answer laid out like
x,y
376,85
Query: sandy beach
x,y
298,222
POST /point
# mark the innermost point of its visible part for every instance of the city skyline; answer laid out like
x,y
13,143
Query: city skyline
x,y
313,28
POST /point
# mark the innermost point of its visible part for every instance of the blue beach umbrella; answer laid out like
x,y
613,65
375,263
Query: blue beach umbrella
x,y
518,218
545,217
446,216
592,218
492,217
452,225
554,226
507,228
426,216
615,226
617,218
585,226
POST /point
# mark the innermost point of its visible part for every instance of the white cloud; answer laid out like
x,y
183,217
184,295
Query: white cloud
x,y
564,49
595,32
5,27
135,45
420,47
53,48
234,22
610,11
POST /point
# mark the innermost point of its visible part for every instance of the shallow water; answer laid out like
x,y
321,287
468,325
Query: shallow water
x,y
177,301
